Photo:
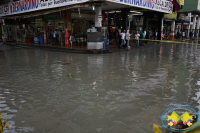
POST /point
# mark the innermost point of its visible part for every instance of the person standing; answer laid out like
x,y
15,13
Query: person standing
x,y
55,36
49,37
122,38
145,33
183,35
156,34
191,35
137,35
107,37
127,36
60,37
143,37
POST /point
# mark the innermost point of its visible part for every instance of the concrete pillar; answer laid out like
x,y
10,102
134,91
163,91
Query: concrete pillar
x,y
44,23
145,22
198,24
172,30
188,27
160,27
98,17
176,29
194,24
125,18
68,26
95,40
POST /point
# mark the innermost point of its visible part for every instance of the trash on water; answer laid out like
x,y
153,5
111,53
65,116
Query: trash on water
x,y
70,75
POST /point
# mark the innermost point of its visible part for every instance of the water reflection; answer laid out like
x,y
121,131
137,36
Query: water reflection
x,y
119,92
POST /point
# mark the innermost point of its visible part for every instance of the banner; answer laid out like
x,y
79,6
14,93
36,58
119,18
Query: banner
x,y
156,5
23,6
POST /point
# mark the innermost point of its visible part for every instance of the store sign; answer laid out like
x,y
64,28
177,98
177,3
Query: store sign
x,y
23,6
182,17
1,10
156,5
173,15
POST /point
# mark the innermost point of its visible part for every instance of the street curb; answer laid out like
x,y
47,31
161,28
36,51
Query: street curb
x,y
62,49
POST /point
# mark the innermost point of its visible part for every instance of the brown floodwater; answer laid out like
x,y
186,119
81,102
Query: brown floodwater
x,y
46,91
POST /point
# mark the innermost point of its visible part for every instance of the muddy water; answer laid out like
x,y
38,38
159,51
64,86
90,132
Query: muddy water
x,y
124,92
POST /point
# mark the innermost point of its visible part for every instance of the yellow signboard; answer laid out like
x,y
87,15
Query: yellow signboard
x,y
173,15
182,2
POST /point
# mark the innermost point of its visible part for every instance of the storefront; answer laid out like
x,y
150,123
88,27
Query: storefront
x,y
80,17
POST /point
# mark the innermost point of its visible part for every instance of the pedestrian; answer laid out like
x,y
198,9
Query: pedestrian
x,y
178,35
119,38
156,34
145,33
107,37
116,36
122,38
183,35
55,36
127,36
143,37
60,37
137,35
49,37
191,35
149,34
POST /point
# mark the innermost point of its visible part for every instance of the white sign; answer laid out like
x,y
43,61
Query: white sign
x,y
23,6
156,5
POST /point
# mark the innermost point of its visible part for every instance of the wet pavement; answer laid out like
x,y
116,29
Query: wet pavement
x,y
124,92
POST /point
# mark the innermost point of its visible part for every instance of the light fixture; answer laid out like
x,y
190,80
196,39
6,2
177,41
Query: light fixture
x,y
93,7
135,11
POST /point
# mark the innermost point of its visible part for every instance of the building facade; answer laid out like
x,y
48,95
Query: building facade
x,y
87,20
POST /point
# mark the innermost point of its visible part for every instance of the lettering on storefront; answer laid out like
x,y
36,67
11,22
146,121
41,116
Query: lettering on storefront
x,y
61,1
158,5
23,6
6,9
1,10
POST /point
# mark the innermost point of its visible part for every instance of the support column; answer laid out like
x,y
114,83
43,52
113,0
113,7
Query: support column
x,y
98,18
194,24
68,26
198,24
145,22
160,27
172,30
188,27
125,19
95,39
44,30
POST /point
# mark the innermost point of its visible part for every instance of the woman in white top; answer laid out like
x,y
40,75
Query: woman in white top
x,y
122,38
137,35
127,36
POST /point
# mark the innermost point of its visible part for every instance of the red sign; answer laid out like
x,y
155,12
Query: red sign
x,y
67,36
6,9
20,26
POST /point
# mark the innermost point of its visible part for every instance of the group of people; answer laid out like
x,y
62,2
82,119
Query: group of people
x,y
125,37
180,34
57,37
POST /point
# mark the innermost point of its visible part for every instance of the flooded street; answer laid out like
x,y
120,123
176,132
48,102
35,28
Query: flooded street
x,y
46,91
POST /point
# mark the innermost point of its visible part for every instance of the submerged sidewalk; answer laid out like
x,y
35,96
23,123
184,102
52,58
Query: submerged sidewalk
x,y
82,49
74,49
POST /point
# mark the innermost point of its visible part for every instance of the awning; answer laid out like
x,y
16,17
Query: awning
x,y
44,12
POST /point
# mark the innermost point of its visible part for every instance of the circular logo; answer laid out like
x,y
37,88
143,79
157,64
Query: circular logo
x,y
180,118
